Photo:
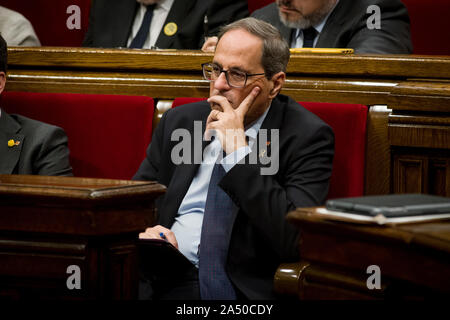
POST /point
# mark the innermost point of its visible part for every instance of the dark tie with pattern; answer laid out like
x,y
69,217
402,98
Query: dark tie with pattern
x,y
216,230
141,36
308,37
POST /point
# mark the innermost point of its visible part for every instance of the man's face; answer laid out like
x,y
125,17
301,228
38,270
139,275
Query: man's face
x,y
303,13
238,49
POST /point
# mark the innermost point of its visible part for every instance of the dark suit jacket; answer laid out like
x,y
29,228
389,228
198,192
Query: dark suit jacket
x,y
346,27
42,149
110,22
261,237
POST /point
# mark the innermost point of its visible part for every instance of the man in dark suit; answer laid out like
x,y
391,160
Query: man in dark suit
x,y
347,23
277,156
171,24
28,146
339,24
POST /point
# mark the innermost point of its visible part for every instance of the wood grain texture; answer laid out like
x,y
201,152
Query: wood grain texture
x,y
50,223
412,258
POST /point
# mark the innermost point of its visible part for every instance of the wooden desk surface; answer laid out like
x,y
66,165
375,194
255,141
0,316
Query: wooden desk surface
x,y
70,205
431,235
79,189
49,224
414,259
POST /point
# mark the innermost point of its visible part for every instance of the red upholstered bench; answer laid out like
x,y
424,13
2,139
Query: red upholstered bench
x,y
256,4
49,18
349,125
108,134
430,25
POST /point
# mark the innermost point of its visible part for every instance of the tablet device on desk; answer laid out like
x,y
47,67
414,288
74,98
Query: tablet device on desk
x,y
161,257
394,205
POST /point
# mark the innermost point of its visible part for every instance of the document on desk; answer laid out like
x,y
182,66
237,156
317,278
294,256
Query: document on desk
x,y
388,209
161,257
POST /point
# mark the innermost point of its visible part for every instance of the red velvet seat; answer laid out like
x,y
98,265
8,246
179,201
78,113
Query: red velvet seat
x,y
256,4
108,134
49,18
349,125
430,25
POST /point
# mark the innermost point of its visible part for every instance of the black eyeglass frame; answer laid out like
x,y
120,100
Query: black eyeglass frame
x,y
226,74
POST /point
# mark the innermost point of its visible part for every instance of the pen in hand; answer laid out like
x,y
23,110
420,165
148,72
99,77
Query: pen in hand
x,y
163,236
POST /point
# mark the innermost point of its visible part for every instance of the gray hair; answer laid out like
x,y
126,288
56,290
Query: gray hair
x,y
275,55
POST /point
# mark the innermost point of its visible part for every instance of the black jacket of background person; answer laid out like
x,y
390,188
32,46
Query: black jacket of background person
x,y
111,21
346,27
261,237
39,148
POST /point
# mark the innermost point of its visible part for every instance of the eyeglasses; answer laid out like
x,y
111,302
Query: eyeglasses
x,y
235,78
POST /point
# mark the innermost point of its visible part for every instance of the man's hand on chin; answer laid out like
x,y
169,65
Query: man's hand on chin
x,y
227,123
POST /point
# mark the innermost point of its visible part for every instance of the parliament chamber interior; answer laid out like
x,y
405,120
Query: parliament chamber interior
x,y
390,114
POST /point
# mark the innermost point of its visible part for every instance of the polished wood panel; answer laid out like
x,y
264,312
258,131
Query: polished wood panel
x,y
414,260
167,74
50,223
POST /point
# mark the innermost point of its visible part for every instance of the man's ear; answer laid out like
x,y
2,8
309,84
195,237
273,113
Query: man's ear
x,y
278,82
2,81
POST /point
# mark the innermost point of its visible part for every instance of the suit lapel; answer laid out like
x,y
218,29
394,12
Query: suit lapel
x,y
9,156
286,33
122,25
182,178
329,35
178,12
273,120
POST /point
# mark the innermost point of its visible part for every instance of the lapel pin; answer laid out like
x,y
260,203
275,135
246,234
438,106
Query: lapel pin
x,y
262,153
12,143
170,29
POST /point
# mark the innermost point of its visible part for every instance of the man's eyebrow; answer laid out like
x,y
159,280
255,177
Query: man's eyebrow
x,y
232,68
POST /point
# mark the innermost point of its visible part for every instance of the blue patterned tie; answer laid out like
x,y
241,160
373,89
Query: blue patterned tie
x,y
216,230
308,37
141,36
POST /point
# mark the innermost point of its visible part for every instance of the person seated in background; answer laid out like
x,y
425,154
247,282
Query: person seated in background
x,y
339,24
16,29
163,24
28,146
226,202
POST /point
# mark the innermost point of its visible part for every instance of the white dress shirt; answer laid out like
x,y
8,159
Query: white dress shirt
x,y
160,14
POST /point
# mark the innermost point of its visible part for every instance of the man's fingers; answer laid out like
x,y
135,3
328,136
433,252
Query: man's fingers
x,y
210,44
220,102
248,101
159,232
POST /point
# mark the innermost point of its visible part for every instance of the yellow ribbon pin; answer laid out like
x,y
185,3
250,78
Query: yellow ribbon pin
x,y
12,143
170,29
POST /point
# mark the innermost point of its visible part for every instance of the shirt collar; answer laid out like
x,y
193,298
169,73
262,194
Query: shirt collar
x,y
164,4
252,131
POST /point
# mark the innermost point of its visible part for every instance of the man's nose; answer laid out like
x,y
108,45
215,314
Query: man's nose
x,y
221,82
